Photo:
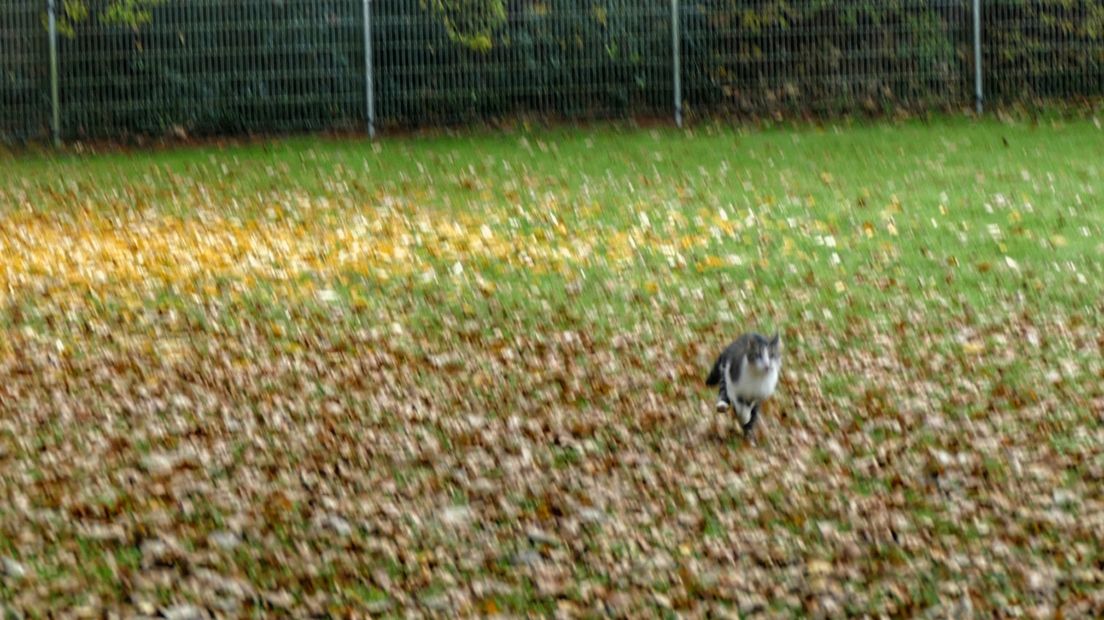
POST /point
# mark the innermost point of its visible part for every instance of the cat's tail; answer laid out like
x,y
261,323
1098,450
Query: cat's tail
x,y
714,377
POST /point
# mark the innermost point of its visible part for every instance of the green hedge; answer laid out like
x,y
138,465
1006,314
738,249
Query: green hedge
x,y
212,66
24,73
1043,50
565,58
826,57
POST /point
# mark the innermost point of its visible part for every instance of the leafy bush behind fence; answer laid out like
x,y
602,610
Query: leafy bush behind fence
x,y
214,67
24,72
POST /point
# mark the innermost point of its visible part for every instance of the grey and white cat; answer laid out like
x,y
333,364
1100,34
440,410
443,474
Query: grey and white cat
x,y
747,373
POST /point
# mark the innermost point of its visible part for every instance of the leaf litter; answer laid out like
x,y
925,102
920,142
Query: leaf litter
x,y
330,404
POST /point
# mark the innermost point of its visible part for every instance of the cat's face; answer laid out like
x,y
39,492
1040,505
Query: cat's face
x,y
765,355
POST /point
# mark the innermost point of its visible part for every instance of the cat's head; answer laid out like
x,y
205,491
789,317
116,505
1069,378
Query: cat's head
x,y
765,355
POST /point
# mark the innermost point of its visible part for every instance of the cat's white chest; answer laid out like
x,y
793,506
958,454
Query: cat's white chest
x,y
751,385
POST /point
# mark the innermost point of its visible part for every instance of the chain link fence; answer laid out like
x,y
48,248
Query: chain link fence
x,y
214,67
1043,50
209,67
564,59
24,71
765,56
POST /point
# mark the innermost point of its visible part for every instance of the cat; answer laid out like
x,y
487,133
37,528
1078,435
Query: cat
x,y
747,373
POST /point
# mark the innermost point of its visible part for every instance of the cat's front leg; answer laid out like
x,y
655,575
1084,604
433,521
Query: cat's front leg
x,y
722,399
743,412
752,418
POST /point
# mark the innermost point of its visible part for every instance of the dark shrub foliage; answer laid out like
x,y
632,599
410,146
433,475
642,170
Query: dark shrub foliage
x,y
212,66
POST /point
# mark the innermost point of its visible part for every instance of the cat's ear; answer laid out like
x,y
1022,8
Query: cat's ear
x,y
776,341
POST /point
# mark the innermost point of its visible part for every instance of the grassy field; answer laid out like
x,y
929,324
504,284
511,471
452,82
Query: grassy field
x,y
464,375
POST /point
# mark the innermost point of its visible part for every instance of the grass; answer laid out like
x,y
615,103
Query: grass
x,y
311,328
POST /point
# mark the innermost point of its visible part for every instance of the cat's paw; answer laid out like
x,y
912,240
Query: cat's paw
x,y
722,406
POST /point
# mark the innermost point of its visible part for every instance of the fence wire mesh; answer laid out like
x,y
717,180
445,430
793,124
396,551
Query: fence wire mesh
x,y
214,67
24,71
1043,50
763,56
210,66
559,58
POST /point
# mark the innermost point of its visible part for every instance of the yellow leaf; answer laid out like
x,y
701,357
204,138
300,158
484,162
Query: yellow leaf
x,y
714,262
973,347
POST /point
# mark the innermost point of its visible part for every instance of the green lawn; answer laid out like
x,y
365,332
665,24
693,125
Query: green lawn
x,y
465,373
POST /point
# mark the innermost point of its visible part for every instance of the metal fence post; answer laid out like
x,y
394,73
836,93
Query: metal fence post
x,y
369,91
676,44
979,94
55,103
